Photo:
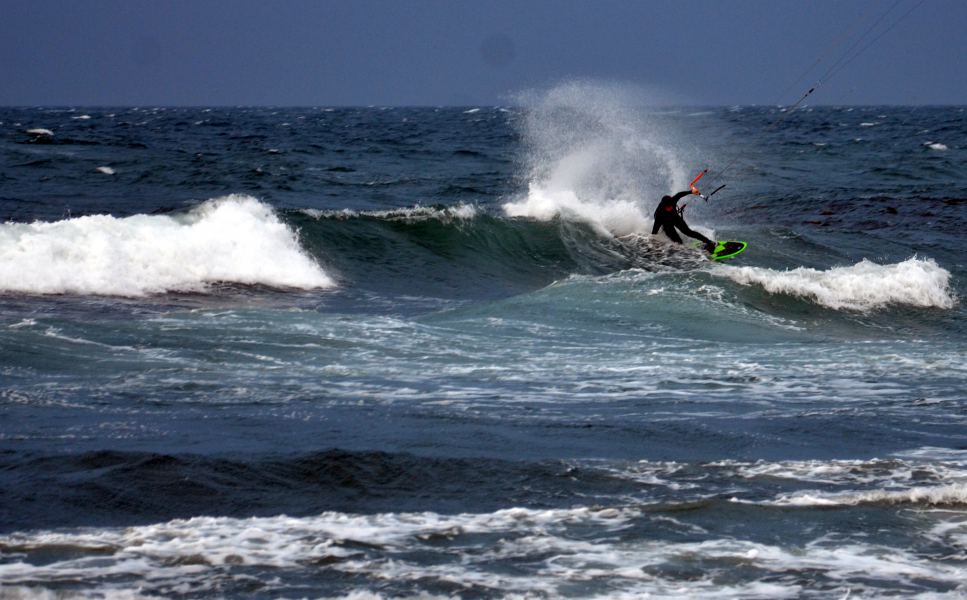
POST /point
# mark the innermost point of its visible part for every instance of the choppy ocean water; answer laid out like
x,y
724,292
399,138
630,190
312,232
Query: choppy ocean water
x,y
385,352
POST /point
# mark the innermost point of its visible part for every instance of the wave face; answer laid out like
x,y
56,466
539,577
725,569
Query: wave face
x,y
436,353
233,239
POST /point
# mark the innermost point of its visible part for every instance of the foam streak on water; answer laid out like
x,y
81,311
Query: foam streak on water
x,y
586,552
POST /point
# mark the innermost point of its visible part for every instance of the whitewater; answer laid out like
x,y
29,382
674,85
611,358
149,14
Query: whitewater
x,y
419,352
235,239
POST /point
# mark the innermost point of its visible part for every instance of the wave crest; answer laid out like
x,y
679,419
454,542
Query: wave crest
x,y
234,239
445,214
863,286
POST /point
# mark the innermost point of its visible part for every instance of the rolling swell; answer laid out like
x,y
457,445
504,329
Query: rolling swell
x,y
118,488
111,488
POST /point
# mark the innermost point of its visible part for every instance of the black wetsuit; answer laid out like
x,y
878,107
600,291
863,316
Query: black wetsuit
x,y
668,218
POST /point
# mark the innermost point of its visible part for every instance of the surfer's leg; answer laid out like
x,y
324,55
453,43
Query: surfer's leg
x,y
669,230
709,244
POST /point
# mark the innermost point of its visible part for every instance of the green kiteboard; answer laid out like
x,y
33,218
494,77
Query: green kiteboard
x,y
725,249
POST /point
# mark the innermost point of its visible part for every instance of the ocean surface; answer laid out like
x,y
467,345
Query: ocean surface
x,y
435,352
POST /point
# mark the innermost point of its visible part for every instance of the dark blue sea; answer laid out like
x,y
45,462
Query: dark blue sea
x,y
391,352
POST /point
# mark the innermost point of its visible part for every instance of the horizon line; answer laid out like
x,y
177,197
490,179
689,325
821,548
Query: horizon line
x,y
454,106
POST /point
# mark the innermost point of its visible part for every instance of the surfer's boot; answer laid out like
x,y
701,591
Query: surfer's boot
x,y
710,247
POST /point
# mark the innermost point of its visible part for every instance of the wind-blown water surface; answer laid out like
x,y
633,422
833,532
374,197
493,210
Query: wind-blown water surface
x,y
287,353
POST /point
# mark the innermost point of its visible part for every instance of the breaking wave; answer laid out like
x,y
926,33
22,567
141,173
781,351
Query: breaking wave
x,y
232,239
863,286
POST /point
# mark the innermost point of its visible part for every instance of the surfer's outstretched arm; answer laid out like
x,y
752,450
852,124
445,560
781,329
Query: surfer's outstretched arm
x,y
681,195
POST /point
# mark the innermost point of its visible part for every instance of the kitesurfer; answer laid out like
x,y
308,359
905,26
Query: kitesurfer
x,y
668,217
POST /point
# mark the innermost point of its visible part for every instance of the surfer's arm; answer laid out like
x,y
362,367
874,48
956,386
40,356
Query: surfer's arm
x,y
681,195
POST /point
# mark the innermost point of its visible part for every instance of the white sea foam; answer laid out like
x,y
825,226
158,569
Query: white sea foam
x,y
555,552
925,476
106,170
954,494
952,528
40,131
863,286
23,592
594,157
891,472
891,481
233,239
935,453
416,213
160,550
935,146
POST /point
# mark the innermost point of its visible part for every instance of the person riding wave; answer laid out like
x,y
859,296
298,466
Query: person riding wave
x,y
668,217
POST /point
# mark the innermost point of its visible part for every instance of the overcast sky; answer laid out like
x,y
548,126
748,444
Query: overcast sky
x,y
481,52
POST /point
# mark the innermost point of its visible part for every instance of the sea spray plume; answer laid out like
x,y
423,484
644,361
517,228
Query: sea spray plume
x,y
593,155
233,239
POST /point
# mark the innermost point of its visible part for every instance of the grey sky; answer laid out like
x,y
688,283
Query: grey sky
x,y
436,52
